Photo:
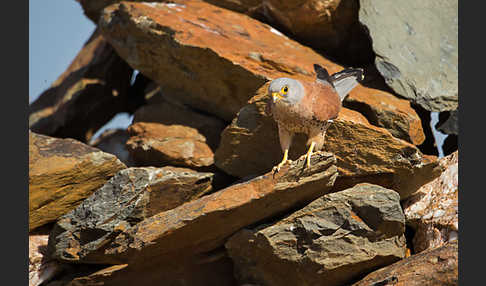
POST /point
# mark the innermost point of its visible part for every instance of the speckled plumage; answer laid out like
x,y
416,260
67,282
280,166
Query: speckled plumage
x,y
309,107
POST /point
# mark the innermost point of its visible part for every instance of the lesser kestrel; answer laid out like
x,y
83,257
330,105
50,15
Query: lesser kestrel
x,y
309,107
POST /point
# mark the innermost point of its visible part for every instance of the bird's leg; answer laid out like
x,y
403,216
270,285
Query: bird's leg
x,y
309,154
285,138
284,160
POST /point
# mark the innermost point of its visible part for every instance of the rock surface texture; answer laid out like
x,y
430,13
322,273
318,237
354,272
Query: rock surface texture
x,y
129,197
364,153
385,110
155,144
434,211
417,49
186,194
86,96
332,240
41,268
437,267
63,172
192,56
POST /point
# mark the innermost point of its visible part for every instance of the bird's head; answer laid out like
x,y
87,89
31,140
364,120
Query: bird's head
x,y
286,90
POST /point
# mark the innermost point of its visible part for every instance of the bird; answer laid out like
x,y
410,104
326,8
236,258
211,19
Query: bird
x,y
308,107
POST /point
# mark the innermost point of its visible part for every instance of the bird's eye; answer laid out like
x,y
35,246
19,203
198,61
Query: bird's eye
x,y
285,89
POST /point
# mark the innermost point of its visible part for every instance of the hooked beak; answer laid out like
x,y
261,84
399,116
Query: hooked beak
x,y
276,96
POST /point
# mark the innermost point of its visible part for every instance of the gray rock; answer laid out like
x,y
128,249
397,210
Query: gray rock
x,y
417,50
334,239
129,197
449,122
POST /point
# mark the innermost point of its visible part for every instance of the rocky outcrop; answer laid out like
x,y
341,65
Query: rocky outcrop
x,y
434,211
417,48
385,110
192,56
86,96
63,172
155,144
437,267
164,109
129,197
41,268
113,141
364,153
332,240
162,239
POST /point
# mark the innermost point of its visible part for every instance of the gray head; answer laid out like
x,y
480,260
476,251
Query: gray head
x,y
286,90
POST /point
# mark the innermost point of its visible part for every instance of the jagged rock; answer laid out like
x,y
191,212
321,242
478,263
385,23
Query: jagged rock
x,y
87,95
187,47
100,277
331,241
417,48
240,205
433,211
113,141
155,144
330,26
364,153
161,108
129,197
159,246
41,268
63,172
437,267
448,122
385,110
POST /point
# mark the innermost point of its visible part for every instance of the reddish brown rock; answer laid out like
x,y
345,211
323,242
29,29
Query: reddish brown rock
x,y
63,172
385,110
364,153
41,268
165,234
164,109
331,241
154,144
130,196
87,95
187,47
433,211
437,267
113,141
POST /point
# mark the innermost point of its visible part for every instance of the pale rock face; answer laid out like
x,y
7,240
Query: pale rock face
x,y
433,211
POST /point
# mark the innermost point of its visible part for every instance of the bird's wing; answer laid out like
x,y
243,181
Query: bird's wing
x,y
320,103
345,80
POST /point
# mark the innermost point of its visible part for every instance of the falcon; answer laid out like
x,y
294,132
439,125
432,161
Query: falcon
x,y
309,107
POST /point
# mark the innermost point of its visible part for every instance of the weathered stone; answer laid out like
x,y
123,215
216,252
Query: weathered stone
x,y
63,172
113,141
433,211
129,197
364,153
41,268
448,122
187,47
331,26
163,236
161,108
437,267
417,48
181,272
86,96
385,110
155,144
331,241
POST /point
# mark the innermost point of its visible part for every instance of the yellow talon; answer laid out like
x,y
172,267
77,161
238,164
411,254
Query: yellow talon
x,y
309,154
284,160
